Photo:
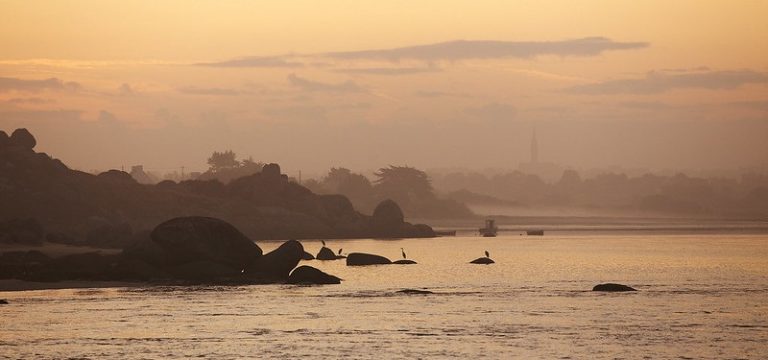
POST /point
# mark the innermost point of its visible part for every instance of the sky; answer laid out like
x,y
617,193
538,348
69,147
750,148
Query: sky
x,y
363,84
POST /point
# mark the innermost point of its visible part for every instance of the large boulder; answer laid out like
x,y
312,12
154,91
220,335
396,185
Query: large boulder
x,y
361,259
23,138
196,238
307,275
204,271
4,140
277,264
612,287
387,217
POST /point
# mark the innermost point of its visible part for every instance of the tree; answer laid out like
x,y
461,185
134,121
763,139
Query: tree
x,y
222,160
403,184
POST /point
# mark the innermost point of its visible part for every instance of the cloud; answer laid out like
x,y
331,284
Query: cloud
x,y
311,85
191,90
467,49
440,94
493,111
390,71
15,84
31,100
661,81
255,61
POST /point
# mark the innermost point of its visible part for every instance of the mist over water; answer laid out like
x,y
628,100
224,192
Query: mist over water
x,y
701,296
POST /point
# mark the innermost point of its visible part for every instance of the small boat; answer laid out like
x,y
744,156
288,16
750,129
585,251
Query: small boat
x,y
490,228
535,232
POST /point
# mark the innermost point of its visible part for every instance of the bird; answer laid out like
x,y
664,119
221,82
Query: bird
x,y
340,251
487,254
323,241
403,251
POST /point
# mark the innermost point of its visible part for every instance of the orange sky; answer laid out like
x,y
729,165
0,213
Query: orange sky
x,y
154,81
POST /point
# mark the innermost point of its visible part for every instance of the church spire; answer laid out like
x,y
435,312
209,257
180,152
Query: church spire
x,y
534,148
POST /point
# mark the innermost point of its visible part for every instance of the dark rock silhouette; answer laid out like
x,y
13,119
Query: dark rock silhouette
x,y
3,302
326,254
277,264
414,292
21,231
196,238
86,266
22,138
18,264
404,262
204,270
361,259
482,260
307,256
387,215
612,287
307,275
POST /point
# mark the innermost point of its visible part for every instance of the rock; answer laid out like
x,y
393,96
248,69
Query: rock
x,y
117,177
18,264
404,262
612,287
361,259
307,275
307,256
3,302
86,266
276,264
21,231
482,260
110,236
196,238
387,217
414,292
326,254
23,138
271,170
133,269
204,271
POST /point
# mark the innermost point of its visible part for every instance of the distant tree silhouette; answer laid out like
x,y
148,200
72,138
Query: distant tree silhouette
x,y
222,160
403,183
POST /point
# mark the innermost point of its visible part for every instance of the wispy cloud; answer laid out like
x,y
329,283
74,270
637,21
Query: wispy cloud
x,y
661,81
473,49
390,71
192,90
31,100
311,85
255,61
493,111
16,84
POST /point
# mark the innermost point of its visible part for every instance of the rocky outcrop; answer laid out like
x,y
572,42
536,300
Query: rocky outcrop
x,y
21,231
194,239
362,259
22,138
307,275
414,292
277,264
611,287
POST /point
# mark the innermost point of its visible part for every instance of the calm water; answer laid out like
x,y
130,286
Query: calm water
x,y
701,296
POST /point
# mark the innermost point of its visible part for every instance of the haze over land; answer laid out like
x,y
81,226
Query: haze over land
x,y
313,85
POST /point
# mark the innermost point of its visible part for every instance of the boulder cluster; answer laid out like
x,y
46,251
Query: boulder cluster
x,y
183,250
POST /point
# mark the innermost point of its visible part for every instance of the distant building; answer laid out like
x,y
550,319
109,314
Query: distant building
x,y
138,174
547,171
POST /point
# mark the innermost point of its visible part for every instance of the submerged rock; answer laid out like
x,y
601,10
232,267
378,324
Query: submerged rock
x,y
404,262
326,254
307,256
307,275
482,260
414,292
361,259
3,302
612,287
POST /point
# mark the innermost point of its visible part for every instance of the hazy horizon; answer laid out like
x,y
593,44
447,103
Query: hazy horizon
x,y
452,85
